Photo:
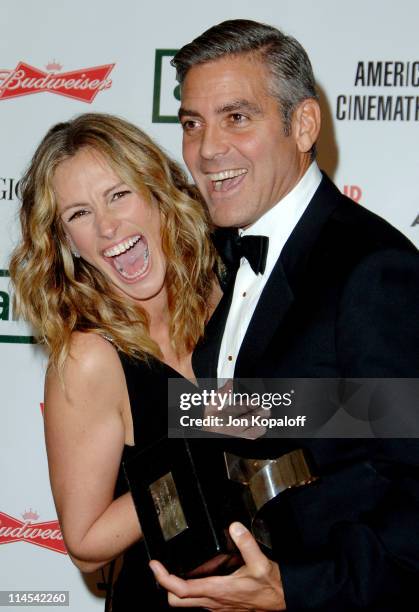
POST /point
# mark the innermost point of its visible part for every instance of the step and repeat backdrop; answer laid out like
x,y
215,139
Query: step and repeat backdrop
x,y
59,59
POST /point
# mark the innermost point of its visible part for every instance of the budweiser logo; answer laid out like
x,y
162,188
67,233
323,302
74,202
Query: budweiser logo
x,y
47,535
83,84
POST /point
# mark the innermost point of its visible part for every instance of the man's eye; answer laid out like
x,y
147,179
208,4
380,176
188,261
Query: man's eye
x,y
119,194
77,214
189,124
237,118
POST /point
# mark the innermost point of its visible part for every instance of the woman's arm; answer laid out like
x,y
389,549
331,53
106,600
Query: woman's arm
x,y
85,436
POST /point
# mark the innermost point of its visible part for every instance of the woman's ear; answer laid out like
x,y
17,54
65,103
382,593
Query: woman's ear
x,y
72,246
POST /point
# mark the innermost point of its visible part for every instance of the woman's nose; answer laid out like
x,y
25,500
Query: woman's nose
x,y
107,224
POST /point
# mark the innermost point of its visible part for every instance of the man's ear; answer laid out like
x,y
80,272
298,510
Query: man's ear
x,y
306,124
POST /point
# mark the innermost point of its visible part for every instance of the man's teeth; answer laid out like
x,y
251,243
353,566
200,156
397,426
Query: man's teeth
x,y
120,248
218,177
226,174
140,272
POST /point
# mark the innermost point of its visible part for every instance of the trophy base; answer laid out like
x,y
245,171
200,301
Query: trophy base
x,y
185,503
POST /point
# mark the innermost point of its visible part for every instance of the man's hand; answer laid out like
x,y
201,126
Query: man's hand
x,y
255,586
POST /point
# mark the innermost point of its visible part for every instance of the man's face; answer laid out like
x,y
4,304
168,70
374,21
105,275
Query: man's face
x,y
233,140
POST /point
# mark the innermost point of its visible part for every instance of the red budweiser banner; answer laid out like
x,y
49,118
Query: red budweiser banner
x,y
83,84
47,535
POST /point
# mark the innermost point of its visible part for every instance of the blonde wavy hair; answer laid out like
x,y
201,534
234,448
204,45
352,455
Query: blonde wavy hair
x,y
59,294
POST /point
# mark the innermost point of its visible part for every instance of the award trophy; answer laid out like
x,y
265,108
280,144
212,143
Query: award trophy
x,y
188,491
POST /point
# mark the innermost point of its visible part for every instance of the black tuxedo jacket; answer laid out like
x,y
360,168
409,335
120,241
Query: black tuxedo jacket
x,y
341,301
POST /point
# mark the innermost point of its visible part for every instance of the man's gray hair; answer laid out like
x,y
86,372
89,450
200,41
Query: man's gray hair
x,y
292,79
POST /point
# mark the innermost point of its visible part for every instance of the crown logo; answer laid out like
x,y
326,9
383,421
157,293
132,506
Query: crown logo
x,y
53,66
30,515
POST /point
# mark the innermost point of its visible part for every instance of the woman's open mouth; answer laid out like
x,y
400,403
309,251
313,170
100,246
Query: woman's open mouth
x,y
130,257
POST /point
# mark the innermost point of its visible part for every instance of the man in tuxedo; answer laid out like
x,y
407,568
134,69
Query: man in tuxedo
x,y
326,290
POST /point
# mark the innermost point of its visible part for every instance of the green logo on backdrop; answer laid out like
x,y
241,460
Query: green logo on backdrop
x,y
7,323
166,94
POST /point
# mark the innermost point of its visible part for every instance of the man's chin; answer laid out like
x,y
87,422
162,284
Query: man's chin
x,y
224,214
224,221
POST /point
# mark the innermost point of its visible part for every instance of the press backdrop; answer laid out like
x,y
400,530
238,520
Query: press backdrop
x,y
58,59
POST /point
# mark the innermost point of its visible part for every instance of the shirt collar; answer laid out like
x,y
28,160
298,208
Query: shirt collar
x,y
293,204
279,221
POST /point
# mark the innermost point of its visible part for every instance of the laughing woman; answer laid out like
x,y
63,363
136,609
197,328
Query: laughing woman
x,y
115,273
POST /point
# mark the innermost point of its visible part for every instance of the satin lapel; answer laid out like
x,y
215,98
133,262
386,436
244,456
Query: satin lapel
x,y
306,237
280,290
274,302
205,355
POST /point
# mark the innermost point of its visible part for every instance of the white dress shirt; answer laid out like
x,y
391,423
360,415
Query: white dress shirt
x,y
277,223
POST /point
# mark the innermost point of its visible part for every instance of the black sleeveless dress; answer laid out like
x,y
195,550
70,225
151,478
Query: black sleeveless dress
x,y
135,588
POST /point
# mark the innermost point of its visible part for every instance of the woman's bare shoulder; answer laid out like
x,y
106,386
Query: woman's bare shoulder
x,y
93,361
84,344
90,352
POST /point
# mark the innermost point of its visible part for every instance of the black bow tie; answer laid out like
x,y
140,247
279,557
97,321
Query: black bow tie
x,y
233,247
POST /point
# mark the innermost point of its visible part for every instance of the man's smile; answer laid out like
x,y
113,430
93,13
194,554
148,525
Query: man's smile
x,y
226,179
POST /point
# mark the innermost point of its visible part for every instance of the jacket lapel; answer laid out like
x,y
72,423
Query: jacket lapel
x,y
205,356
282,287
273,304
